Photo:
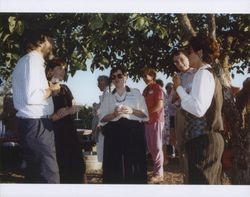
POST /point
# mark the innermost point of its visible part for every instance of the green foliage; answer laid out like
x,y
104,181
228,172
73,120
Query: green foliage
x,y
86,117
234,37
132,40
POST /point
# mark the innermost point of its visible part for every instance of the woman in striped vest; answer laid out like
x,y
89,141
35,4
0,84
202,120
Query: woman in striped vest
x,y
204,144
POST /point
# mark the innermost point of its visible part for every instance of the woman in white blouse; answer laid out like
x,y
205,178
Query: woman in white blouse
x,y
122,115
204,144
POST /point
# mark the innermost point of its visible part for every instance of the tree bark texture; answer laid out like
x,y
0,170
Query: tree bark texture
x,y
212,26
187,25
242,163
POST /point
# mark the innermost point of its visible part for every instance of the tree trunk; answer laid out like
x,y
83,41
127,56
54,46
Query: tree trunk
x,y
187,25
212,26
226,79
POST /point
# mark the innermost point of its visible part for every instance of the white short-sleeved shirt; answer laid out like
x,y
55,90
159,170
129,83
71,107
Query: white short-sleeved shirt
x,y
132,98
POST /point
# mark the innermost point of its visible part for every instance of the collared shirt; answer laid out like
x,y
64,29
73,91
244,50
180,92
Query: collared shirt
x,y
186,82
29,83
200,97
132,98
187,79
152,94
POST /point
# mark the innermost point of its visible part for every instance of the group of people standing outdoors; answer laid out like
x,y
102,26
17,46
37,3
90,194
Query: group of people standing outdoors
x,y
47,135
127,124
133,124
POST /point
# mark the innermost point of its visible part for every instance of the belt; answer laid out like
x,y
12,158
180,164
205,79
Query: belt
x,y
46,117
42,117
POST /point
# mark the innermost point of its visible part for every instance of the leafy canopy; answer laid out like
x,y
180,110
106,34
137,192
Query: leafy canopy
x,y
132,40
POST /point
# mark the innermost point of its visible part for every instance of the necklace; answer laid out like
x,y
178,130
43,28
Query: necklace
x,y
120,101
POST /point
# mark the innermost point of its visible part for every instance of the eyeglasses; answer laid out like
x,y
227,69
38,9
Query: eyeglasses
x,y
119,76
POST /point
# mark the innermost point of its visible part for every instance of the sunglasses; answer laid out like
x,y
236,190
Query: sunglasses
x,y
119,76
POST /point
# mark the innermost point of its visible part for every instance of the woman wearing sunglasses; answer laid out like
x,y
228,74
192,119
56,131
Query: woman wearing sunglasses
x,y
122,113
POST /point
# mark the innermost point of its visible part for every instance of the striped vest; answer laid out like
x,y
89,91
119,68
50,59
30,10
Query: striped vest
x,y
211,121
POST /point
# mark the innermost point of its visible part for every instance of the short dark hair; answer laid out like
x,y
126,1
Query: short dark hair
x,y
51,64
159,82
169,85
56,62
209,47
177,52
115,69
35,38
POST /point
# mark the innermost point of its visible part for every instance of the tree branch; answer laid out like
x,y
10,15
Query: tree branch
x,y
187,25
226,74
212,26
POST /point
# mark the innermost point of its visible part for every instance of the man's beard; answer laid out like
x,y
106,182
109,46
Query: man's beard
x,y
48,55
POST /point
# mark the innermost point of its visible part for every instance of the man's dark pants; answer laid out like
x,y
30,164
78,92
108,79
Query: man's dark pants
x,y
37,140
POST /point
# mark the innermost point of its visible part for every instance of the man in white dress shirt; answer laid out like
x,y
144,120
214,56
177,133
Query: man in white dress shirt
x,y
33,101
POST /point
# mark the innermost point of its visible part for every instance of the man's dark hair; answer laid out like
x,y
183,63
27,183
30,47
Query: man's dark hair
x,y
210,47
34,39
169,85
